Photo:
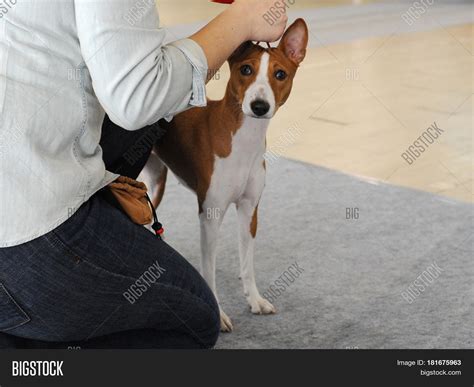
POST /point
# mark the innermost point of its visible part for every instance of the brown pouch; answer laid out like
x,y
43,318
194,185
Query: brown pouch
x,y
132,197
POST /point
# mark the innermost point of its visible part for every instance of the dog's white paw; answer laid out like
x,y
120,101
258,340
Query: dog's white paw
x,y
260,305
226,323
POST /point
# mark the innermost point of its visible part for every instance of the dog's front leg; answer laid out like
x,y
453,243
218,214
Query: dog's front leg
x,y
211,219
247,211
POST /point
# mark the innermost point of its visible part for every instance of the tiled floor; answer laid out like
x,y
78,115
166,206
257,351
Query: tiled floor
x,y
357,105
361,124
187,11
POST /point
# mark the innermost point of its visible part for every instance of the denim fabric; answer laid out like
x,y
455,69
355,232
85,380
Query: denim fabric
x,y
67,287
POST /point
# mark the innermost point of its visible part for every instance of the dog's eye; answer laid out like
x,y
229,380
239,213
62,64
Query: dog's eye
x,y
246,70
280,75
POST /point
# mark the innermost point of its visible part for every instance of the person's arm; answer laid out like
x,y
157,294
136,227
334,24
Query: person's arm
x,y
242,21
139,80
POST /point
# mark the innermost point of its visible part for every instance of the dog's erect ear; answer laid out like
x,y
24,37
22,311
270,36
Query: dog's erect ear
x,y
295,41
240,51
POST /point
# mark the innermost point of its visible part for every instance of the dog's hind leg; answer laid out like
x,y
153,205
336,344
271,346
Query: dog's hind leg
x,y
211,217
154,175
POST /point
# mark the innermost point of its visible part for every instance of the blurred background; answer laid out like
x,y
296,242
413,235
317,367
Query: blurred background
x,y
377,75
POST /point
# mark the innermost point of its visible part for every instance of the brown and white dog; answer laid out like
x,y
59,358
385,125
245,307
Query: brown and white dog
x,y
218,151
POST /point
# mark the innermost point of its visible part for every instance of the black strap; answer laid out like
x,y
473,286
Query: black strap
x,y
127,152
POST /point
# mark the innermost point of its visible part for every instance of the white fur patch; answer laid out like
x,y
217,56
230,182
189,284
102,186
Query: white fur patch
x,y
240,179
260,89
231,174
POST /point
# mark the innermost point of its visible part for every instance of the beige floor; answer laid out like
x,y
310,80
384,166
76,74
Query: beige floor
x,y
357,106
186,11
358,114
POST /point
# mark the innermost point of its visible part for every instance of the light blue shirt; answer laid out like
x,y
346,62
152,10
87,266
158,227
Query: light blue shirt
x,y
63,64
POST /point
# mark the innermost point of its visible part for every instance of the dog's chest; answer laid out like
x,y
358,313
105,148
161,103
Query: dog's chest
x,y
232,174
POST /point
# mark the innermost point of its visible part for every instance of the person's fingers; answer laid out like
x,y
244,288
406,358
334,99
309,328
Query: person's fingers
x,y
263,25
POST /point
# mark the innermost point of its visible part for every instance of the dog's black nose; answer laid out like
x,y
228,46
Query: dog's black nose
x,y
260,107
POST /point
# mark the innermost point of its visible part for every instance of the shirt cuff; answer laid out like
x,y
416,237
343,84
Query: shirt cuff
x,y
195,55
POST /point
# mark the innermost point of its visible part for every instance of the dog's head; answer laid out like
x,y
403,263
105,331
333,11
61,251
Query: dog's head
x,y
261,79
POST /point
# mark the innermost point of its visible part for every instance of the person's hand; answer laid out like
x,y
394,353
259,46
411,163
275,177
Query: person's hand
x,y
262,24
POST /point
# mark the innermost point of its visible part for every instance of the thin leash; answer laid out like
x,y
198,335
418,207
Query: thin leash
x,y
268,45
156,226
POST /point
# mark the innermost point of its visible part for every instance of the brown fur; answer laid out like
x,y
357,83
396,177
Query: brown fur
x,y
254,223
196,136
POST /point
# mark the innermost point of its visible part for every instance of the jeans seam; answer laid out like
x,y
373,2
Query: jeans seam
x,y
57,240
173,287
84,261
118,275
134,279
122,276
23,313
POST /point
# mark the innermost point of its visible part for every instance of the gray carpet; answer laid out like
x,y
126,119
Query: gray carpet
x,y
349,295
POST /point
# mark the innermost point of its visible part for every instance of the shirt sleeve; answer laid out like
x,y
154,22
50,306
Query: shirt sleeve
x,y
137,79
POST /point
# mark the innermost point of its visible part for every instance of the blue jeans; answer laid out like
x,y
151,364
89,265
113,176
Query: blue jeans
x,y
100,281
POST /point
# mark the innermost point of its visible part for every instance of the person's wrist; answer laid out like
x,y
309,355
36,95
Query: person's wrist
x,y
239,15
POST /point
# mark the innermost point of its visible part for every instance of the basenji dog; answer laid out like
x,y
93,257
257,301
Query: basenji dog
x,y
218,152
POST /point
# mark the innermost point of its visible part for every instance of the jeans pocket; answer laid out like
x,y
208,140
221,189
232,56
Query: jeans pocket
x,y
11,314
58,242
